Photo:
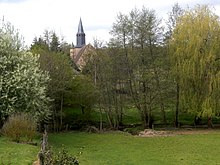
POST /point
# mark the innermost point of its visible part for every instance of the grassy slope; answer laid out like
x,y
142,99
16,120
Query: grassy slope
x,y
114,148
19,154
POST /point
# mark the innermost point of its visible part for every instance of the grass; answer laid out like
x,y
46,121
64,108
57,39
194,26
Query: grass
x,y
15,153
118,148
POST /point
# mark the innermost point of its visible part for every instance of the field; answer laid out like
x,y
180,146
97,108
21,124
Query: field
x,y
12,153
179,147
118,148
121,148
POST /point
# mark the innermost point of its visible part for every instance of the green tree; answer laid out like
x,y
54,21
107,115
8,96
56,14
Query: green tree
x,y
97,68
173,18
195,58
22,82
84,93
58,66
139,37
54,44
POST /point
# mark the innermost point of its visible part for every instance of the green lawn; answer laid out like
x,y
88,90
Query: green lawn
x,y
119,149
17,154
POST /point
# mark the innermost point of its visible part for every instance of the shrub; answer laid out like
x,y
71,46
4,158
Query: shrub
x,y
19,127
62,157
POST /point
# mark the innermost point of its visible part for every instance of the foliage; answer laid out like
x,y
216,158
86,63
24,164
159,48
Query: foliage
x,y
58,65
19,127
137,43
84,92
194,56
173,18
62,157
22,83
54,45
105,69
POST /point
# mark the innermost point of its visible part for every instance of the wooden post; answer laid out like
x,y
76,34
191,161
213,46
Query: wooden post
x,y
44,142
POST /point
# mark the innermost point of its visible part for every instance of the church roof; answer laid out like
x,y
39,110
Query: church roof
x,y
79,54
80,27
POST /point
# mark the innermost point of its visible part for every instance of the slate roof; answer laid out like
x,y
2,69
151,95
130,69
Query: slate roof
x,y
80,27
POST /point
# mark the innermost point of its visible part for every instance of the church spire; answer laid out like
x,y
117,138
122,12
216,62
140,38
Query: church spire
x,y
80,36
80,27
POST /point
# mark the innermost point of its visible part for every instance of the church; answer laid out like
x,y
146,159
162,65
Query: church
x,y
79,52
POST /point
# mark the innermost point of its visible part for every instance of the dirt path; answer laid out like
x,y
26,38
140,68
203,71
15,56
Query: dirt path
x,y
152,133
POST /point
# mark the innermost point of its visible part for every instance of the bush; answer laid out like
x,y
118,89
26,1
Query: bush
x,y
20,127
62,157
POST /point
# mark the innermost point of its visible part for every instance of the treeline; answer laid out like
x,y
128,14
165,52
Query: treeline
x,y
159,70
145,66
66,87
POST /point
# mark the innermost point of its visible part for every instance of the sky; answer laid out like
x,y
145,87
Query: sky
x,y
33,17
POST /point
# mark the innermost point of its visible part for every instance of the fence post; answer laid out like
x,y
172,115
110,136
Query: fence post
x,y
44,142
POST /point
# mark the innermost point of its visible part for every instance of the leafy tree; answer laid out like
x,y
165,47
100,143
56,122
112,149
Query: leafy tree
x,y
84,93
173,18
38,45
61,73
97,68
22,82
194,55
54,44
139,36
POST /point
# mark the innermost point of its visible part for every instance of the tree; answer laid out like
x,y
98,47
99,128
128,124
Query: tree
x,y
54,44
97,69
22,82
173,18
61,73
84,93
195,59
139,37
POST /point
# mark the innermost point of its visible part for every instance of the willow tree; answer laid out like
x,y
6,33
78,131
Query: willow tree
x,y
195,57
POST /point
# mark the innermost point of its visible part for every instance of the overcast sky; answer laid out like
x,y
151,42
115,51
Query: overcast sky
x,y
32,17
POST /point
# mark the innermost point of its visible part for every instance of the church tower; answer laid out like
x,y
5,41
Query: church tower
x,y
80,36
80,51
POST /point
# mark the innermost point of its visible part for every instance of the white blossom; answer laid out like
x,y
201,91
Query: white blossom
x,y
22,83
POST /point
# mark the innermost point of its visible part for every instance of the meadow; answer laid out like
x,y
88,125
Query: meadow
x,y
12,153
121,148
118,148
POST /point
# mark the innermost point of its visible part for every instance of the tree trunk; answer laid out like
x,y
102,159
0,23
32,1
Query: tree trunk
x,y
150,119
109,117
145,119
101,123
121,101
54,120
177,105
210,124
1,124
61,112
163,113
82,109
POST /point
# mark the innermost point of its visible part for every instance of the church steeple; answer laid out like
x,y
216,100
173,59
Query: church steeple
x,y
80,36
